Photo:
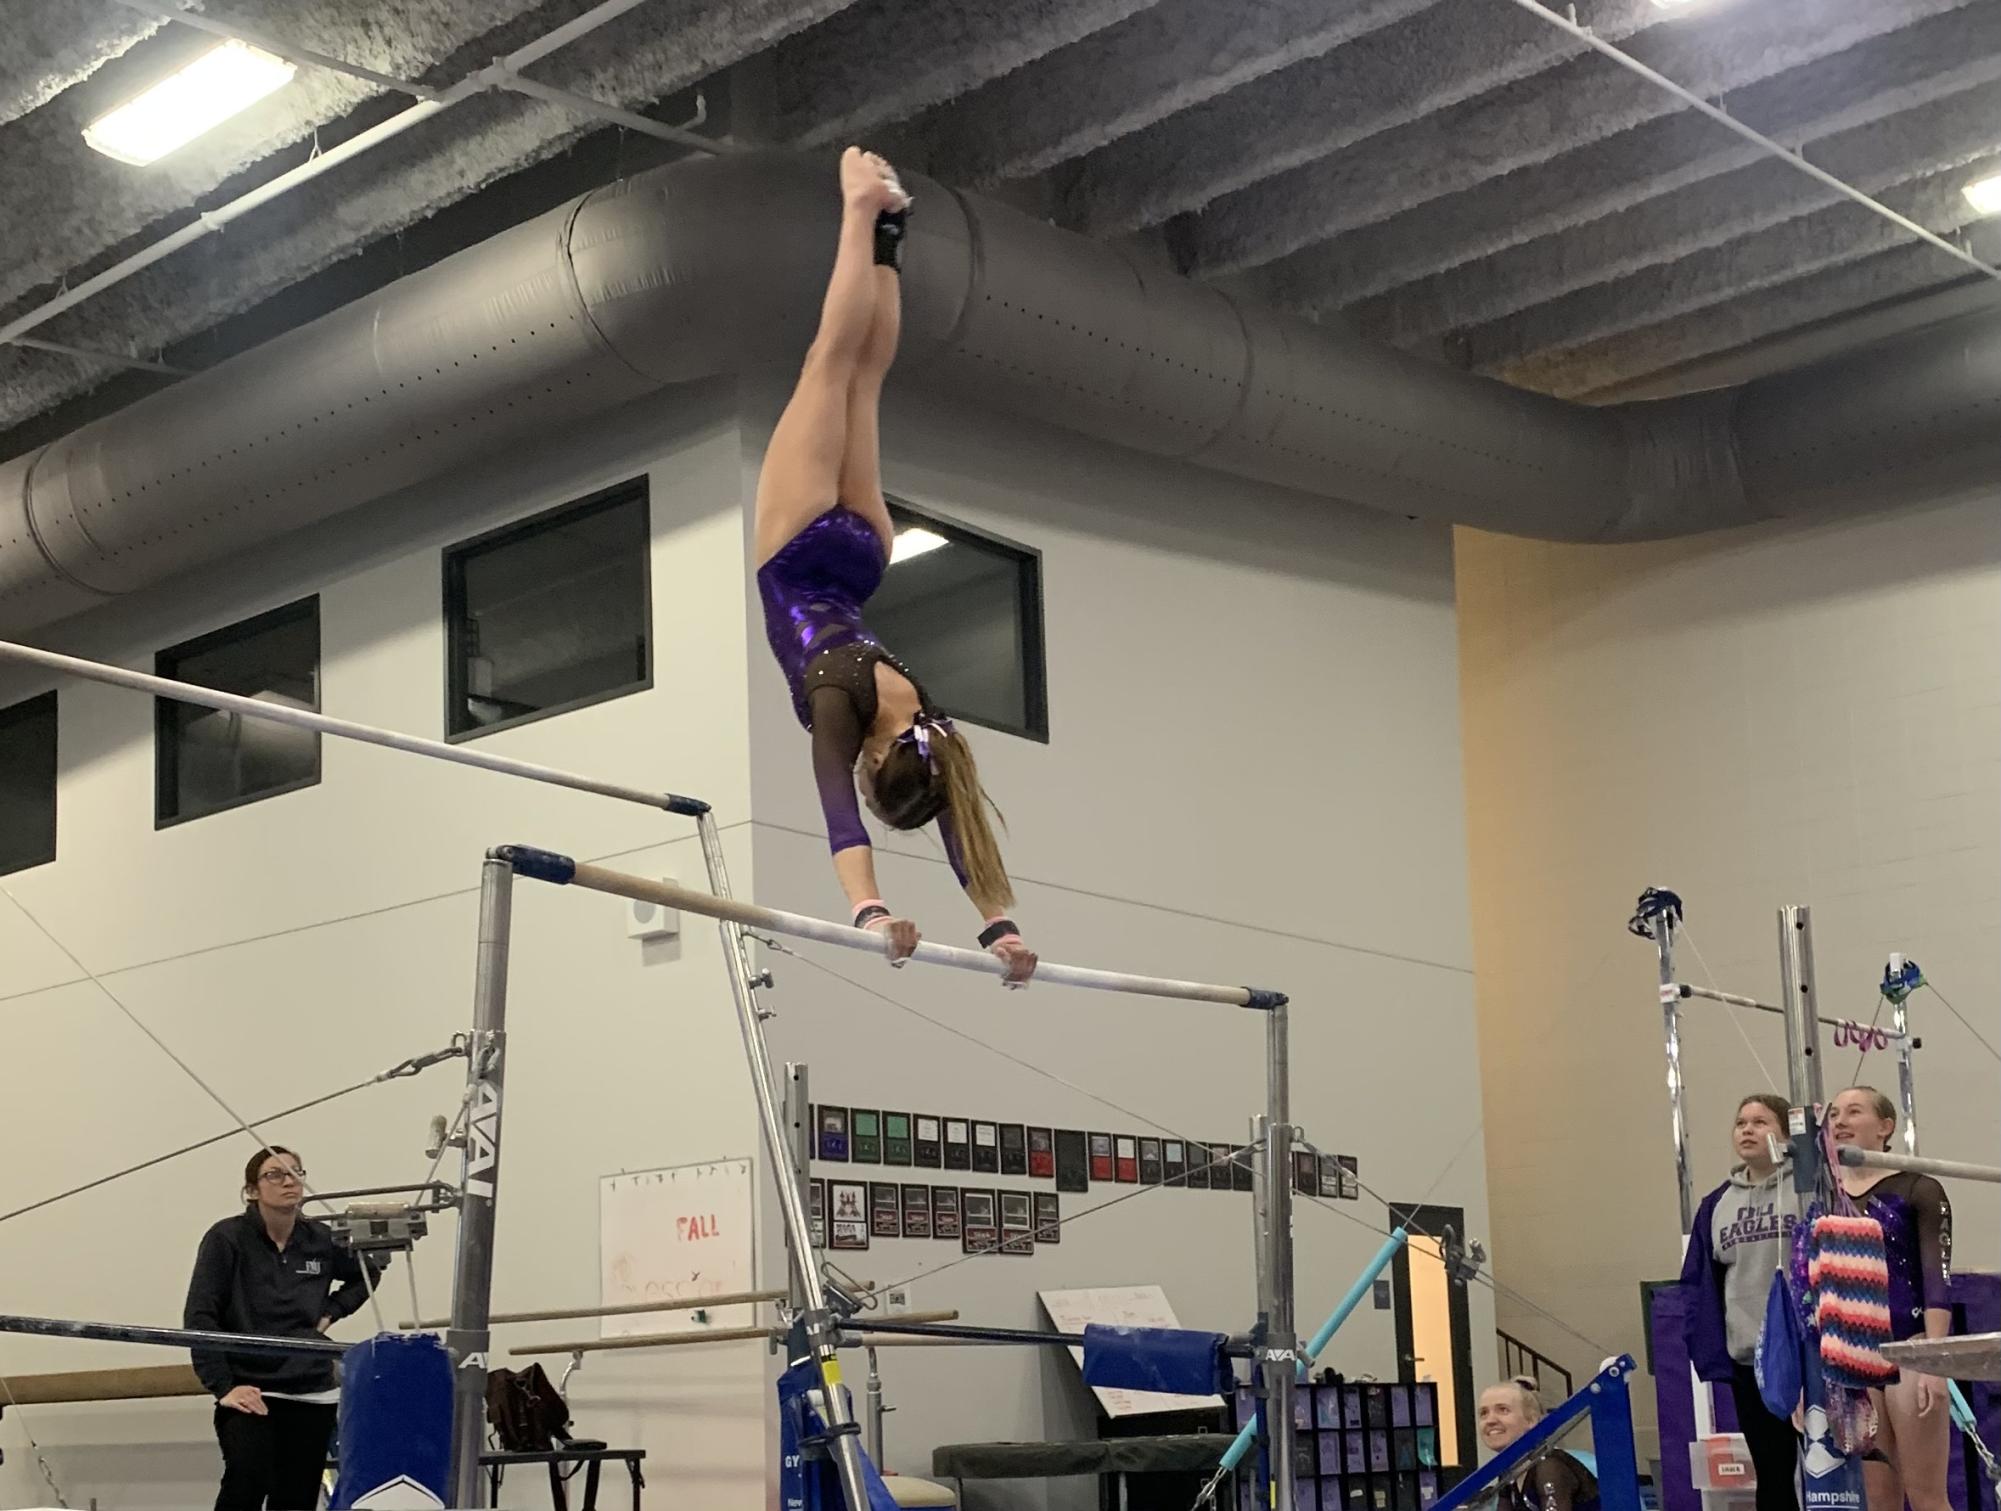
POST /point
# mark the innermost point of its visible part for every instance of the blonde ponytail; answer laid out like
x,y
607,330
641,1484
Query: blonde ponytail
x,y
967,802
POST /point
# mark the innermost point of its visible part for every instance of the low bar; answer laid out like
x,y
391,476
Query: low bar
x,y
626,1309
1950,1169
1971,1356
366,734
910,1328
645,1340
561,870
148,1382
170,1337
727,1335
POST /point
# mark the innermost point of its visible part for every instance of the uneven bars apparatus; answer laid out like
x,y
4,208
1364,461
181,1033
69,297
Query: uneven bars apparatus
x,y
469,1338
1658,918
1277,1346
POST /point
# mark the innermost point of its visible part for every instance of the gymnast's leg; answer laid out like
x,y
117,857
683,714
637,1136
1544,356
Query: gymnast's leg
x,y
801,476
861,463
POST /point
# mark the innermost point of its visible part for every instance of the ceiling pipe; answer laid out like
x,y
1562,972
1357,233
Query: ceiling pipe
x,y
715,267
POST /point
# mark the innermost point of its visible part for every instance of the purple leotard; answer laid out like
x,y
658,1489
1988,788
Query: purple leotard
x,y
813,590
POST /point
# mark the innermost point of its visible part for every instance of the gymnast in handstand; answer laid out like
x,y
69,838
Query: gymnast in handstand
x,y
824,538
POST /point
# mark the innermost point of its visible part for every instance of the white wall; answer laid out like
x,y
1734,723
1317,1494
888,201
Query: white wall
x,y
1781,715
1252,775
302,943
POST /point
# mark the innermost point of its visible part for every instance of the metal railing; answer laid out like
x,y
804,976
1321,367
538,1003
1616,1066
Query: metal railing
x,y
1517,1358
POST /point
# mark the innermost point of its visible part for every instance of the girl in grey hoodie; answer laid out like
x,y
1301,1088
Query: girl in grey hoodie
x,y
1742,1234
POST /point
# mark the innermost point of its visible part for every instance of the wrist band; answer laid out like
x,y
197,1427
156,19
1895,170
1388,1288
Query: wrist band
x,y
869,913
995,932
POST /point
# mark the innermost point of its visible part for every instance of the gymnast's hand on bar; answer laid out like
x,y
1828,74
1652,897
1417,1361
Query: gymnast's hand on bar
x,y
1019,959
901,934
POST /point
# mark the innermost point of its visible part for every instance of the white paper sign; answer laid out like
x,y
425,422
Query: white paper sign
x,y
674,1235
1120,1306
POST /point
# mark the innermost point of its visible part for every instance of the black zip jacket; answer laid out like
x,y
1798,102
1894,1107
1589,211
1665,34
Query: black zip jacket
x,y
244,1283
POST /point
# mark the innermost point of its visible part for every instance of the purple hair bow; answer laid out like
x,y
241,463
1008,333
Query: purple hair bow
x,y
921,731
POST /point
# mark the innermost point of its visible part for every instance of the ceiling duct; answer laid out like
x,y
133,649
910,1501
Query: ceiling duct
x,y
716,267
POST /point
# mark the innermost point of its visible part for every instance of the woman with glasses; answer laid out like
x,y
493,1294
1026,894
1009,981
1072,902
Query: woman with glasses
x,y
272,1270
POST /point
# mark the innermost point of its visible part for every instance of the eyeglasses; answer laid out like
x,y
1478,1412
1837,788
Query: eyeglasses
x,y
283,1177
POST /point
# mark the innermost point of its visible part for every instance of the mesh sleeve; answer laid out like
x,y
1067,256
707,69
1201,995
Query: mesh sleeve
x,y
837,744
1933,1214
949,833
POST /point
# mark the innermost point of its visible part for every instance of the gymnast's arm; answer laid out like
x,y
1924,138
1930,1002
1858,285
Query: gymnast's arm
x,y
837,745
1001,937
1933,1213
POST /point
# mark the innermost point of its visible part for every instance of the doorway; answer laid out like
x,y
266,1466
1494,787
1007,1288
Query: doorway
x,y
1434,1325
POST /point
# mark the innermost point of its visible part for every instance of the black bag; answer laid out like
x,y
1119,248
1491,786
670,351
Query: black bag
x,y
525,1411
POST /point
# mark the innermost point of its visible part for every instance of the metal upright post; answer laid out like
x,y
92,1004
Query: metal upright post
x,y
1281,1341
814,1319
1801,1003
799,1127
469,1339
1261,1392
873,1419
1671,1028
1900,1023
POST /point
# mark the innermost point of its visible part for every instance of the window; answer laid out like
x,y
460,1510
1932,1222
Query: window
x,y
965,611
549,615
28,784
206,760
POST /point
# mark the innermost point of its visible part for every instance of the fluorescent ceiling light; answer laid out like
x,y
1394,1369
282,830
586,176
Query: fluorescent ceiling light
x,y
1985,195
217,85
914,541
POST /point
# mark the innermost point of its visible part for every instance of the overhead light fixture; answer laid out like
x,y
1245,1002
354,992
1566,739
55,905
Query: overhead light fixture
x,y
220,83
1985,195
913,541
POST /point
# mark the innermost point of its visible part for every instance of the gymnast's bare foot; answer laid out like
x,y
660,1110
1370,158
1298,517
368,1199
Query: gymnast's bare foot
x,y
869,184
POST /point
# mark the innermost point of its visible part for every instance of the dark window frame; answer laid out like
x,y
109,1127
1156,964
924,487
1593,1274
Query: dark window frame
x,y
20,712
1033,645
452,577
166,751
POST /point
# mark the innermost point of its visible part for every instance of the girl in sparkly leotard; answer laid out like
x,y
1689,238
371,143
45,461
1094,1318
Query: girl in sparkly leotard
x,y
1551,1481
823,542
1912,1438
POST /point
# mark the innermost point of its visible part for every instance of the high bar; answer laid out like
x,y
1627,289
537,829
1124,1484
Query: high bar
x,y
1951,1169
545,865
1731,999
346,729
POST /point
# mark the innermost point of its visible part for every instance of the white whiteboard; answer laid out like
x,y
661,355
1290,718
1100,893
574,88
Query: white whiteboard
x,y
1120,1306
673,1234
